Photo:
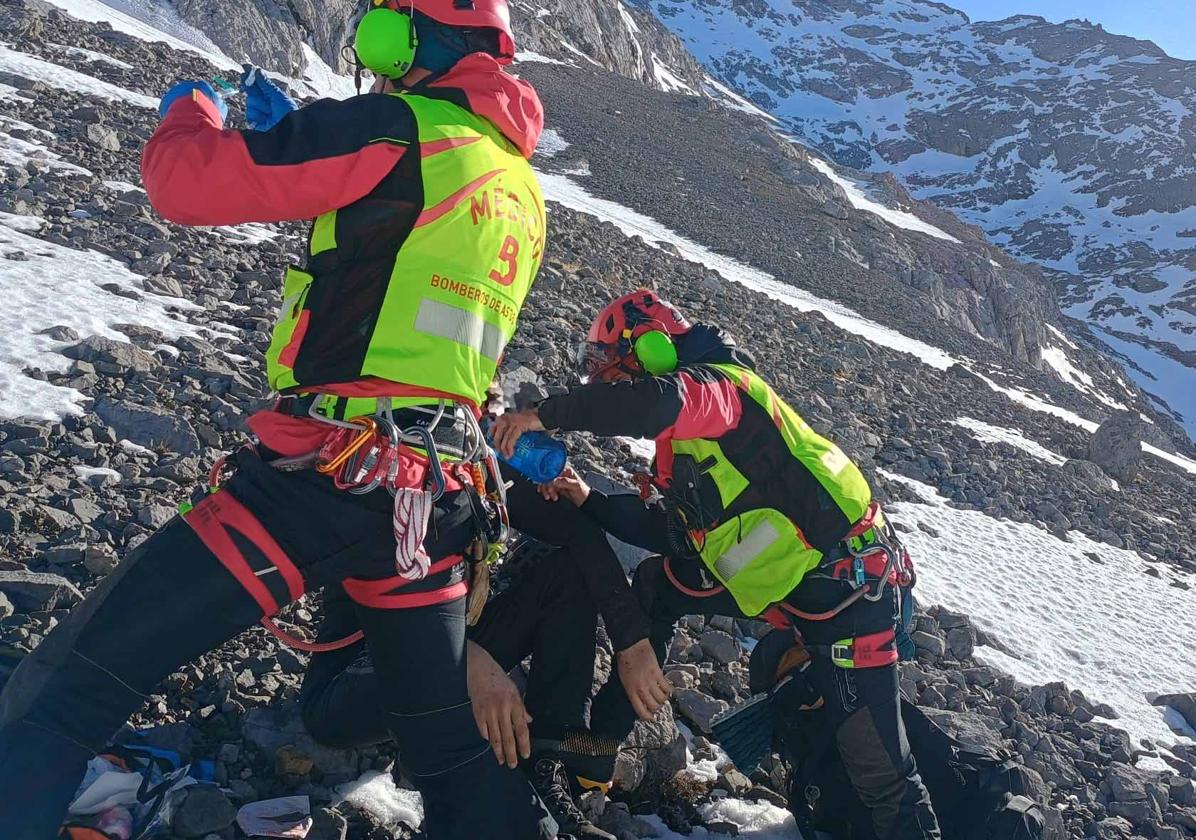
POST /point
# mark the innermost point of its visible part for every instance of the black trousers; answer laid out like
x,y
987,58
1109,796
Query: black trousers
x,y
861,704
549,613
546,614
172,600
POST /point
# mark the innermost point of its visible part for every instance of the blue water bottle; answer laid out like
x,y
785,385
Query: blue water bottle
x,y
538,456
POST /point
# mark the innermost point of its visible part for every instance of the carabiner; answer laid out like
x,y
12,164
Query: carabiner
x,y
890,565
352,473
435,469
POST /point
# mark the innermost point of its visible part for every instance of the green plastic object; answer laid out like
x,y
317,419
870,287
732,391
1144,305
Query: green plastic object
x,y
656,353
385,42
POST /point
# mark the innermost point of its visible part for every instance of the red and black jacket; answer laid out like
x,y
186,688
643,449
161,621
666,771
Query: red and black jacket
x,y
359,156
699,401
325,156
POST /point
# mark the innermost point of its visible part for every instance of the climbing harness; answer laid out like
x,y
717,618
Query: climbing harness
x,y
361,455
869,559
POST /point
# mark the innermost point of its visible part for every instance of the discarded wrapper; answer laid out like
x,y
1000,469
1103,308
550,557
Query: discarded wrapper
x,y
287,816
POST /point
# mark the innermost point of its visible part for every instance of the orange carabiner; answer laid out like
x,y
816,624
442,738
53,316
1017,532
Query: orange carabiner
x,y
369,429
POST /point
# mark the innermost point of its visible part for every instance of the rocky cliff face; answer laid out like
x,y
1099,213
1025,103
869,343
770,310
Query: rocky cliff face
x,y
625,40
271,34
1068,145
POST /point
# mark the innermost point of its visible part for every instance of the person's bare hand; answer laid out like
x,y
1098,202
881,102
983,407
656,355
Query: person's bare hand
x,y
497,707
644,682
508,428
568,485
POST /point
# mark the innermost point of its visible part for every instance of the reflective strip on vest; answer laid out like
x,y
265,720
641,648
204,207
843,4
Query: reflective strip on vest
x,y
467,328
752,546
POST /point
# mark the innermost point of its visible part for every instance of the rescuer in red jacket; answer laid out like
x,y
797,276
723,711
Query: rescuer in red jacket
x,y
385,343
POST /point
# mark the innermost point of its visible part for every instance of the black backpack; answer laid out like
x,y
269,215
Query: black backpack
x,y
978,794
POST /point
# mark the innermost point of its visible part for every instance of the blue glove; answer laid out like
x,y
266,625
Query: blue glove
x,y
182,89
265,102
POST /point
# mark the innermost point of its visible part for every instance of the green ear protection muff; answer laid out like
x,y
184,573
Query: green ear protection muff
x,y
656,353
385,42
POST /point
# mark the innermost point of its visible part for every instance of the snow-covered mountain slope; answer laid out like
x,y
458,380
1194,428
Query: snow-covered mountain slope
x,y
1068,145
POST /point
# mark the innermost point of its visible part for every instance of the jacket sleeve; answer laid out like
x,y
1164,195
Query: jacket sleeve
x,y
593,559
640,408
691,403
628,519
319,158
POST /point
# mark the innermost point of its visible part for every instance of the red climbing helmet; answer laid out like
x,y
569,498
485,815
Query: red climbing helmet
x,y
610,348
472,14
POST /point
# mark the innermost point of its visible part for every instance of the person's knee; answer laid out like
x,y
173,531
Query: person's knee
x,y
435,741
877,761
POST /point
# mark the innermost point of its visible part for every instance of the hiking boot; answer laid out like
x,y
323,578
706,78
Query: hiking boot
x,y
551,782
589,759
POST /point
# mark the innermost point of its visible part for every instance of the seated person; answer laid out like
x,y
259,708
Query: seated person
x,y
549,612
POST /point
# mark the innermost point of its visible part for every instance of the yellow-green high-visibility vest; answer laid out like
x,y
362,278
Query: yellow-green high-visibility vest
x,y
758,551
438,313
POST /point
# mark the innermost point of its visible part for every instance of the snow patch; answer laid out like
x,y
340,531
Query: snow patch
x,y
1159,374
35,300
756,821
998,434
249,233
376,794
551,143
31,67
640,447
1056,358
17,152
632,223
579,53
860,200
667,79
1127,633
734,101
134,448
26,224
704,769
1038,404
628,20
149,21
92,55
85,472
529,57
323,81
122,186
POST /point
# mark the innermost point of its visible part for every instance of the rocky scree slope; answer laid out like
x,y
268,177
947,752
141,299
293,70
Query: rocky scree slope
x,y
1070,146
75,498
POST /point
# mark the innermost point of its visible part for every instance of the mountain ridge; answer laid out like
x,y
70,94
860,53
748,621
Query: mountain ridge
x,y
1071,146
